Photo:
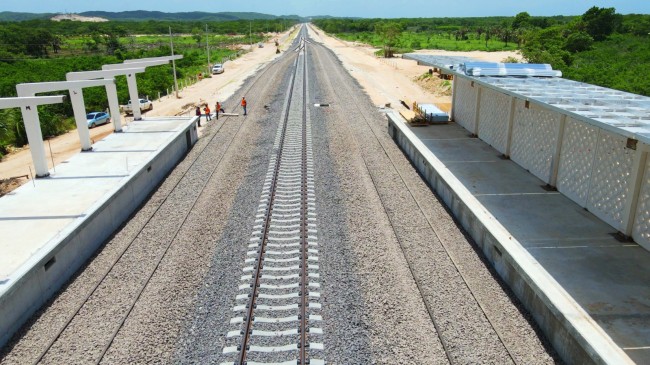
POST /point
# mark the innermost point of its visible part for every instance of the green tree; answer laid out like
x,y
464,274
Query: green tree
x,y
522,20
389,32
112,43
578,42
601,22
197,34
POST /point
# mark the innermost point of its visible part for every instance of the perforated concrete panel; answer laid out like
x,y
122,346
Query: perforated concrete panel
x,y
493,119
576,160
534,137
610,178
641,230
465,103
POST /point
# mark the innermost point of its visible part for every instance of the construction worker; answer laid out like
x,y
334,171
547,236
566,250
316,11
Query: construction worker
x,y
207,112
243,104
198,114
217,109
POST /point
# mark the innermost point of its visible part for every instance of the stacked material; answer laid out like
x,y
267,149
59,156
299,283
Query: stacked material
x,y
409,115
509,69
432,113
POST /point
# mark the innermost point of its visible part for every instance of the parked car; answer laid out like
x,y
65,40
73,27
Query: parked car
x,y
144,105
217,69
97,118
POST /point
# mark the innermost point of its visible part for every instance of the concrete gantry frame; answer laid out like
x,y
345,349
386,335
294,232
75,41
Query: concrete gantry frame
x,y
130,77
111,90
32,124
33,129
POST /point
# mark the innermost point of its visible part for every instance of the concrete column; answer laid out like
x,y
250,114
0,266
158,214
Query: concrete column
x,y
454,94
634,187
477,108
557,154
35,140
133,94
114,106
511,123
79,109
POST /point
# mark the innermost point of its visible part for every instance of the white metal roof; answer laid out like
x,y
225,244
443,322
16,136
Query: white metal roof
x,y
617,111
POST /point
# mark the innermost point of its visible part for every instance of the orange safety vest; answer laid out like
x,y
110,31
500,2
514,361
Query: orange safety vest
x,y
243,102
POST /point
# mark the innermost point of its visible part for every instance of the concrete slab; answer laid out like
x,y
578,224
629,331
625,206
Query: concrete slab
x,y
48,228
588,291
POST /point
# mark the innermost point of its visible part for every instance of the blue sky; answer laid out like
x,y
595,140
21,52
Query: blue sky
x,y
353,8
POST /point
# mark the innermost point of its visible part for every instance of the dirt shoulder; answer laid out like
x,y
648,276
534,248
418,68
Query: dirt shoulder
x,y
392,80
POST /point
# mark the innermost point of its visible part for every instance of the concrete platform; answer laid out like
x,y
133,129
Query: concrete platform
x,y
50,227
588,292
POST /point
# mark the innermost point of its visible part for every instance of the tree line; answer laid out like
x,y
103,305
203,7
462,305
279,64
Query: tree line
x,y
599,47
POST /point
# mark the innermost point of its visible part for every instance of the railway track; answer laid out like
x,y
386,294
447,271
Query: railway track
x,y
276,315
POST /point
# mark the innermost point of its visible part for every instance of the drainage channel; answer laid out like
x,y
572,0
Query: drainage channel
x,y
277,313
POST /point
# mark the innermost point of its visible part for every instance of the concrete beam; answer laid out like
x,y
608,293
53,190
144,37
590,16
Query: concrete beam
x,y
164,58
101,74
131,81
30,117
17,102
31,89
111,90
120,66
29,110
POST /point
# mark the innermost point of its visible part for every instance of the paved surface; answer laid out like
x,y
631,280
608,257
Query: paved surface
x,y
42,211
608,278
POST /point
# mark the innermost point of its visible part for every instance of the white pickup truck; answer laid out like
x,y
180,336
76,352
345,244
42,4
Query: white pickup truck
x,y
144,105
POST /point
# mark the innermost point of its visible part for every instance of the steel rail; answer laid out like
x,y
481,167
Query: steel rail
x,y
304,229
250,307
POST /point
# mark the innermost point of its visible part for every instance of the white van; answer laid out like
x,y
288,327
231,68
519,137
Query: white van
x,y
217,69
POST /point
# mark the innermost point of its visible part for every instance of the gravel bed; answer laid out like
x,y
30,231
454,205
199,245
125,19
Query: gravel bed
x,y
477,316
386,309
346,321
203,336
40,329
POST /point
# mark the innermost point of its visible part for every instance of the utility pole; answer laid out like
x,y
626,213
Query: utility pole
x,y
207,47
171,42
250,33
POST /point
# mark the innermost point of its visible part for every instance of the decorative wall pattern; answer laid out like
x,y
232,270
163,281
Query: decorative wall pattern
x,y
493,119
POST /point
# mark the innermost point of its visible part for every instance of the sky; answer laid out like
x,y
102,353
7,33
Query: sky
x,y
340,8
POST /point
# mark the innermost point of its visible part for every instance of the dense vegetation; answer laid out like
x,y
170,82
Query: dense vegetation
x,y
600,47
43,50
149,15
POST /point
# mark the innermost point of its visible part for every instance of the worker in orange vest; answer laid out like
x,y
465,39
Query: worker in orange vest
x,y
243,104
218,109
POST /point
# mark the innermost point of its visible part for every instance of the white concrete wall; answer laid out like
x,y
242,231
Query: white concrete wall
x,y
592,166
79,243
